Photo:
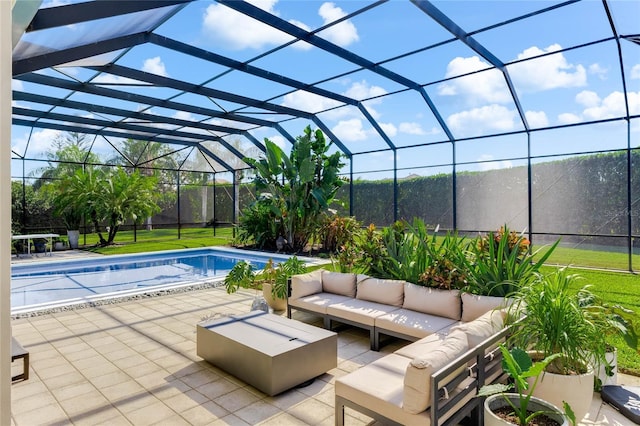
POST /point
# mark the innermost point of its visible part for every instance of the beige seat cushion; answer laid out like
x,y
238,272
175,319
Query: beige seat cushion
x,y
473,305
443,303
479,330
318,302
360,311
412,323
339,283
379,387
417,379
306,284
388,292
421,347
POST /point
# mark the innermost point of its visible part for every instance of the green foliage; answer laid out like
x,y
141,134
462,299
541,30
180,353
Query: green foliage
x,y
502,263
558,320
109,197
449,263
259,224
303,184
244,275
519,366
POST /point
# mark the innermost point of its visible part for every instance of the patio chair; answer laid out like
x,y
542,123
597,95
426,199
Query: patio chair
x,y
17,352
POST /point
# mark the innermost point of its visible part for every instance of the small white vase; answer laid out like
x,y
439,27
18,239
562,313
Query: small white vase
x,y
74,238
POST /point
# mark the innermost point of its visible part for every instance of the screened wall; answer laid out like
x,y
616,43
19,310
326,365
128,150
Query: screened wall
x,y
468,115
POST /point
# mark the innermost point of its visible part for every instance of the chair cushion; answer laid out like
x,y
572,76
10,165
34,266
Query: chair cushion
x,y
625,398
389,292
339,283
412,323
318,302
421,347
479,330
474,305
443,303
360,311
306,284
417,378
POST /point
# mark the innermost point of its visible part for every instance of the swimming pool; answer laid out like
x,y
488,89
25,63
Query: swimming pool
x,y
49,284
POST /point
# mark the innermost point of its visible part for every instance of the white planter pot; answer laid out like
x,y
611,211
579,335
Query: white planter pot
x,y
576,390
497,401
275,304
74,238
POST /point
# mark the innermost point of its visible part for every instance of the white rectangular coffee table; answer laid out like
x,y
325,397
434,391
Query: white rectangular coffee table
x,y
270,352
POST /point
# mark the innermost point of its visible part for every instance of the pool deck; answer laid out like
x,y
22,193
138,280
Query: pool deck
x,y
135,363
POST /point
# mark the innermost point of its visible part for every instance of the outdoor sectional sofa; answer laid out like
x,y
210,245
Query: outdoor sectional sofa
x,y
432,381
384,307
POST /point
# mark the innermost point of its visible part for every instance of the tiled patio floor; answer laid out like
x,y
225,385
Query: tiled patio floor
x,y
135,363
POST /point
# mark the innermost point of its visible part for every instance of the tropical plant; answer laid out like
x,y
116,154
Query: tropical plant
x,y
337,231
259,224
519,366
244,275
502,263
449,263
302,184
108,198
557,320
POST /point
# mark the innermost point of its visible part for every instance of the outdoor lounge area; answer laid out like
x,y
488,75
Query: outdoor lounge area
x,y
442,198
136,363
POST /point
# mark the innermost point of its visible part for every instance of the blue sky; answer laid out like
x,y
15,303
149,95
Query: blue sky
x,y
579,85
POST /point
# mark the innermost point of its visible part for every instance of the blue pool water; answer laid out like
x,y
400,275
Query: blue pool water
x,y
49,283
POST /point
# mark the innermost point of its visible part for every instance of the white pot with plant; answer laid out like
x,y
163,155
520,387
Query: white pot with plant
x,y
557,320
520,408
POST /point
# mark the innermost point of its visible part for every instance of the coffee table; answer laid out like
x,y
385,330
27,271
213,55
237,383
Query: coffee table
x,y
270,352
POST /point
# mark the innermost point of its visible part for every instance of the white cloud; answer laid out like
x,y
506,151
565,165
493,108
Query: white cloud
x,y
549,72
155,66
492,165
17,85
389,129
342,34
599,71
568,118
635,72
537,119
116,79
309,102
41,141
280,141
237,31
479,120
588,98
613,106
360,90
482,87
184,115
350,130
412,128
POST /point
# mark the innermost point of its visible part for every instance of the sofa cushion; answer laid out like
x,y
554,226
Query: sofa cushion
x,y
306,284
388,292
317,302
421,347
443,303
417,378
473,305
339,283
479,330
412,323
379,387
360,311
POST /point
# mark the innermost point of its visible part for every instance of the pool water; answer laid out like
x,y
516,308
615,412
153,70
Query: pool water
x,y
64,282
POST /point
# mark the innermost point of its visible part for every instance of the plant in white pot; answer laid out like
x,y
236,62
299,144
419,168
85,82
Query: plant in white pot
x,y
521,408
274,281
556,320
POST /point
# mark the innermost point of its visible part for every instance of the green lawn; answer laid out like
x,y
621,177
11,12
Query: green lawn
x,y
614,287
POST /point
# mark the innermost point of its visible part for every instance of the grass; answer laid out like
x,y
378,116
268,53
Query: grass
x,y
614,287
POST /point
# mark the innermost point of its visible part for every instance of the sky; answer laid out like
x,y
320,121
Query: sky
x,y
473,99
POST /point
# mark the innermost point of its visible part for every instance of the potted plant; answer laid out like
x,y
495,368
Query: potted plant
x,y
272,279
521,407
555,320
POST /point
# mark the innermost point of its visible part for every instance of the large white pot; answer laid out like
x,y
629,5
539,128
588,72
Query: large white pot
x,y
276,304
576,390
497,401
74,238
